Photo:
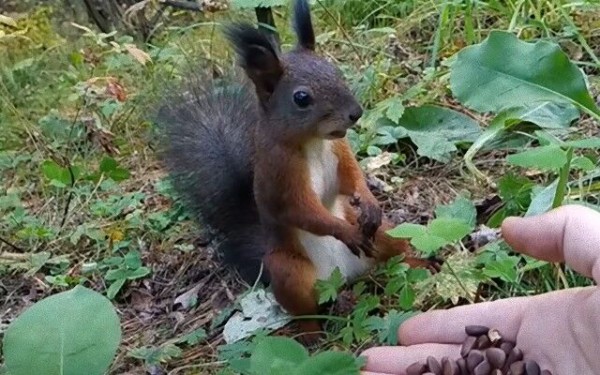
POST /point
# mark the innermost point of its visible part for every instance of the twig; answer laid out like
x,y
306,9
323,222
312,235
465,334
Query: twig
x,y
17,248
186,5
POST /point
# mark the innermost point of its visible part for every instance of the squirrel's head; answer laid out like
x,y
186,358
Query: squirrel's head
x,y
300,92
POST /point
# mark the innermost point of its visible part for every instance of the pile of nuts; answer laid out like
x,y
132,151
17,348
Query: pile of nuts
x,y
484,352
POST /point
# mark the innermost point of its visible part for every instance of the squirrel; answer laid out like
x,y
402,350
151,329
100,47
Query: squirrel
x,y
265,163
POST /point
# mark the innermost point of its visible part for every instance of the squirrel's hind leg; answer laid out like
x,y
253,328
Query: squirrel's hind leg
x,y
293,278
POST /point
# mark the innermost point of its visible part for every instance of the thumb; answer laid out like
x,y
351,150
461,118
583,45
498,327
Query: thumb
x,y
569,234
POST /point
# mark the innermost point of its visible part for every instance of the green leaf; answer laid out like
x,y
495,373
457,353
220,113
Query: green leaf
x,y
504,269
461,208
550,157
515,189
330,363
114,288
328,289
548,115
53,171
394,108
119,174
407,297
70,333
435,130
275,355
428,244
417,274
194,337
407,230
449,229
388,327
138,273
244,4
592,142
108,164
542,200
153,355
583,163
484,79
119,273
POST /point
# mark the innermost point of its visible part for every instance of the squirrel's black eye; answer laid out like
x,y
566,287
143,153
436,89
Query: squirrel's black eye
x,y
302,99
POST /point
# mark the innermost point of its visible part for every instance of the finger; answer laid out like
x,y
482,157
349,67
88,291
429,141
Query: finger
x,y
569,234
395,359
448,326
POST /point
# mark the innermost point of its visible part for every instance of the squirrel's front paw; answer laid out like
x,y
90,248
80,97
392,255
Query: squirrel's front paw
x,y
357,242
370,216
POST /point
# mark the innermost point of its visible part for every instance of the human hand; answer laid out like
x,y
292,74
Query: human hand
x,y
559,330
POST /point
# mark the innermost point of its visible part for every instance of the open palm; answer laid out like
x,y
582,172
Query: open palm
x,y
558,330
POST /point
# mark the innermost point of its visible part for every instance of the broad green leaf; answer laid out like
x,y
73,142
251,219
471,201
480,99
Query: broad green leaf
x,y
69,333
583,163
550,157
276,355
504,269
417,274
108,164
515,188
53,171
111,169
435,130
114,288
428,244
407,230
503,72
138,273
547,115
330,363
448,228
592,142
133,259
407,297
119,273
461,208
542,201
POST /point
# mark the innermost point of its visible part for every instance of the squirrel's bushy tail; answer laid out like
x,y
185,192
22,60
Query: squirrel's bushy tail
x,y
206,147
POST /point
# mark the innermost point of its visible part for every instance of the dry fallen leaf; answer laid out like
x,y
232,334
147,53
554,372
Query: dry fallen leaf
x,y
379,161
114,89
189,298
7,20
141,56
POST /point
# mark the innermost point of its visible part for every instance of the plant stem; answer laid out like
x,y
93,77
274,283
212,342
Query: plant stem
x,y
563,177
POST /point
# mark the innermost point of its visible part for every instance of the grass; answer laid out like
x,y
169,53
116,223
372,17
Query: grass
x,y
81,189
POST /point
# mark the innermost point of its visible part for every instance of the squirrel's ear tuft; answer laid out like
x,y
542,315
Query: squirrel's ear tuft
x,y
303,25
257,56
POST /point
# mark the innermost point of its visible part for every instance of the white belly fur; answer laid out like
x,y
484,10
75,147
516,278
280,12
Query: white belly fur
x,y
326,252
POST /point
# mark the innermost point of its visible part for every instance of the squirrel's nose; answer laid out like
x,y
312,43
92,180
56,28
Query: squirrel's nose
x,y
356,114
